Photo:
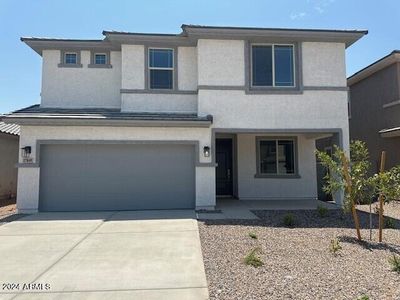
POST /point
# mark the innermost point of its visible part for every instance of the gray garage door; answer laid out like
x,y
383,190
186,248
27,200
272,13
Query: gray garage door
x,y
116,177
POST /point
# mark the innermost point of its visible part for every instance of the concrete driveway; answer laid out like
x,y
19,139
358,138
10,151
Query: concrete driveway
x,y
102,255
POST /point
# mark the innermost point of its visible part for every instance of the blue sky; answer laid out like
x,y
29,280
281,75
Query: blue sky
x,y
20,69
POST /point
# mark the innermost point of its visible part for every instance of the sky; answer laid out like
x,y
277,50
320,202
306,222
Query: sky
x,y
20,69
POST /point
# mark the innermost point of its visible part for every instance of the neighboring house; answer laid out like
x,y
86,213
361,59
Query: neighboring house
x,y
375,109
162,121
9,143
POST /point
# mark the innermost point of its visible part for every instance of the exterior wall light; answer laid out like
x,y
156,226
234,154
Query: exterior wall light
x,y
26,151
206,151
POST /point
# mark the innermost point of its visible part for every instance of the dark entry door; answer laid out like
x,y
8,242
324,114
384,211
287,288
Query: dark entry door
x,y
224,170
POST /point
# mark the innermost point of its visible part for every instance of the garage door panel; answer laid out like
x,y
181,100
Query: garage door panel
x,y
116,177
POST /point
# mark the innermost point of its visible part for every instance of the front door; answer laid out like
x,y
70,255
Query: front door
x,y
224,170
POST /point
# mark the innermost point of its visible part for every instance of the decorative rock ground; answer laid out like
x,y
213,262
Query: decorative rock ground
x,y
297,261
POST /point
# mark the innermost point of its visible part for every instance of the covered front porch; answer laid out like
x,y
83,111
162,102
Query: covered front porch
x,y
277,167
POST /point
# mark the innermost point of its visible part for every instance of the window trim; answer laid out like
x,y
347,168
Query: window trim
x,y
273,86
277,175
174,68
63,63
260,90
93,64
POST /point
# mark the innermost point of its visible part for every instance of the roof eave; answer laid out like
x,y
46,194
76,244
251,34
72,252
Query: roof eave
x,y
40,44
345,36
119,38
73,121
376,66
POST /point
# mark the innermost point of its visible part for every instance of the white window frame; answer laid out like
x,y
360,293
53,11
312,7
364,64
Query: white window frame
x,y
100,53
273,66
65,58
159,68
277,139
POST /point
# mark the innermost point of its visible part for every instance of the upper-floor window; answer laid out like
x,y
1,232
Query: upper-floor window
x,y
70,58
272,65
100,58
161,68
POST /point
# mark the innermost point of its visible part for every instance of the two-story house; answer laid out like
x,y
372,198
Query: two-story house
x,y
375,109
164,121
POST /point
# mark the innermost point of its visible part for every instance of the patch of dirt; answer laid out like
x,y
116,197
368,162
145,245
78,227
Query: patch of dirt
x,y
7,207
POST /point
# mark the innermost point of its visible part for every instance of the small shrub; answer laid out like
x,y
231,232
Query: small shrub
x,y
335,246
288,220
395,263
252,259
253,235
322,211
390,223
363,297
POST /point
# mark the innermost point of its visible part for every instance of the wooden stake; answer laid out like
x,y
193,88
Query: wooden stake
x,y
346,174
382,168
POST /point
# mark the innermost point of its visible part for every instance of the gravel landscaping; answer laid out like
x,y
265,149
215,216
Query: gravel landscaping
x,y
298,263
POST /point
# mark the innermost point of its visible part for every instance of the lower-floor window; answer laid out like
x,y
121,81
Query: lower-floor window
x,y
276,156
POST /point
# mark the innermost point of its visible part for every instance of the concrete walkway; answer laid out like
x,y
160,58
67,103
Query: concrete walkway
x,y
241,209
103,255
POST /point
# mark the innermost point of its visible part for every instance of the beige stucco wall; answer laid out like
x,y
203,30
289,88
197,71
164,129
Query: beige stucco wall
x,y
133,78
251,188
80,87
324,64
132,66
312,109
182,103
220,62
8,158
28,190
187,68
212,62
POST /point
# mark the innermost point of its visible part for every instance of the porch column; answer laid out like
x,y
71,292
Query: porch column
x,y
342,139
205,187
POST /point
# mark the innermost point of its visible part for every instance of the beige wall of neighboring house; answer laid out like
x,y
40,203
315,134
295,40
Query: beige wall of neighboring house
x,y
8,159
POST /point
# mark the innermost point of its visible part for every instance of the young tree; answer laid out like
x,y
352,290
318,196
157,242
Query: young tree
x,y
386,184
349,175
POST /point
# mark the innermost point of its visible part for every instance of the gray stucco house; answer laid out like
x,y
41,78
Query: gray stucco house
x,y
9,142
162,121
374,105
